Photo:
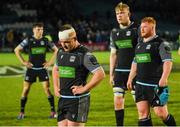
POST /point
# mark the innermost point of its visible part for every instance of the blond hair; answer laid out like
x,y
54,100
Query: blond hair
x,y
121,6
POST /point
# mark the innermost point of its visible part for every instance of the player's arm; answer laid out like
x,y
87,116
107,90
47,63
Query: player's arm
x,y
18,54
98,75
179,51
52,59
165,54
113,58
132,74
92,65
56,83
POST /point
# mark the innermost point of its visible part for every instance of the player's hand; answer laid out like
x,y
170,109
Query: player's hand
x,y
162,82
78,89
129,85
111,81
28,64
46,64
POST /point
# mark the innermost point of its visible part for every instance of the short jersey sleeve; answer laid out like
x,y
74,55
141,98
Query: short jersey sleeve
x,y
24,43
165,51
50,44
90,62
112,45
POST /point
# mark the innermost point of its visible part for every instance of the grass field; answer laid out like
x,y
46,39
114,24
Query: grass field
x,y
101,109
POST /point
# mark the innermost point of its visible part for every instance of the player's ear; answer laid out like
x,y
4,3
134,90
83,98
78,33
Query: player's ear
x,y
129,14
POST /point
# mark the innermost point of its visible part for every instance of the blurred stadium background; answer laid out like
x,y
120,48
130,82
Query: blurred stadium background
x,y
93,21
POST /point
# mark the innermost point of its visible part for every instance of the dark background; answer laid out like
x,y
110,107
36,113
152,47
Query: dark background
x,y
92,19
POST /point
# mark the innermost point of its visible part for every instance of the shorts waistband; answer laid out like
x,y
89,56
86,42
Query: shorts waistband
x,y
37,68
146,84
83,95
123,70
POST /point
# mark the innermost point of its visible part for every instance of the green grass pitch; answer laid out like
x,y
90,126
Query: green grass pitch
x,y
101,109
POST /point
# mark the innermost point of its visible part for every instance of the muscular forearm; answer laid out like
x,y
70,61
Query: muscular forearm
x,y
52,59
167,66
113,58
97,77
55,75
132,73
17,51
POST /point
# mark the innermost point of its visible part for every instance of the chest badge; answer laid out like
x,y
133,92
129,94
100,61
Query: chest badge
x,y
72,58
42,42
34,42
128,33
148,46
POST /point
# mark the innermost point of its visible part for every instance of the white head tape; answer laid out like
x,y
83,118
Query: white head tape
x,y
66,34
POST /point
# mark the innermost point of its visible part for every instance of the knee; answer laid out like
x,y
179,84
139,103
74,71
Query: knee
x,y
143,113
118,98
161,114
119,102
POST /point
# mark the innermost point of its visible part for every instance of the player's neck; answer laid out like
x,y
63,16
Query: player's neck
x,y
125,25
149,38
37,37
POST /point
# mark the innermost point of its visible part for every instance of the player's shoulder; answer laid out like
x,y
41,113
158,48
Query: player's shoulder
x,y
158,39
45,39
134,25
83,49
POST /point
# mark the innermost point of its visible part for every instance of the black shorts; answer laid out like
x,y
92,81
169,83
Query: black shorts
x,y
73,109
120,80
146,93
32,74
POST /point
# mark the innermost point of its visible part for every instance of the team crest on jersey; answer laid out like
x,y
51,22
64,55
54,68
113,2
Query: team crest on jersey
x,y
42,42
148,46
34,42
128,33
117,33
72,58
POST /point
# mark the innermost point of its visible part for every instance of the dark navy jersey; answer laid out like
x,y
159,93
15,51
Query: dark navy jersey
x,y
37,50
124,41
74,68
149,57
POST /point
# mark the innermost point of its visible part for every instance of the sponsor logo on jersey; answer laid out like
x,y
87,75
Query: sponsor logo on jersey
x,y
124,43
67,72
143,58
38,50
